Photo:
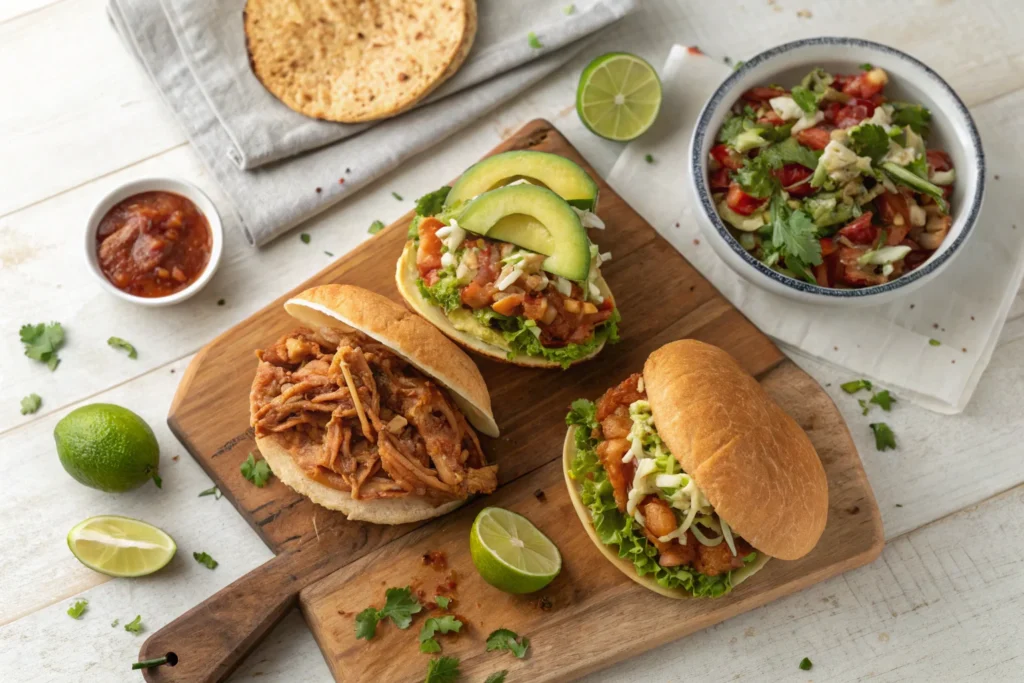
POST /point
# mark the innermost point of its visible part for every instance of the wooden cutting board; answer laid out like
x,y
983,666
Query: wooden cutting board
x,y
592,613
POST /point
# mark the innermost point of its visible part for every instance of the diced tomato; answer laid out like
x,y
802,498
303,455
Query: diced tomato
x,y
840,81
719,180
938,160
891,205
431,277
761,95
897,233
878,99
428,256
477,295
741,202
863,86
771,118
795,179
852,273
729,158
815,138
821,274
855,111
860,231
694,50
916,258
830,110
828,246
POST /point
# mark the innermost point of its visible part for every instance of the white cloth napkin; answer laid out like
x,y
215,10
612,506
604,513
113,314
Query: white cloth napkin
x,y
964,308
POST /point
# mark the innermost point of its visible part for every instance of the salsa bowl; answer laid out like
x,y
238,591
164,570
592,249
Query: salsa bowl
x,y
952,129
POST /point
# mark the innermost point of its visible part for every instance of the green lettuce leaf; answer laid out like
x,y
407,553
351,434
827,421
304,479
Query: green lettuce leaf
x,y
443,293
521,340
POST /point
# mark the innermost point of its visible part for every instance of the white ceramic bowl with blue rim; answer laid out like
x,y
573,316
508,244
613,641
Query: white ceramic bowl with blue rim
x,y
952,130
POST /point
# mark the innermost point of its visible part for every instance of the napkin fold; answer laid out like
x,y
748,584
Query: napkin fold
x,y
268,159
963,309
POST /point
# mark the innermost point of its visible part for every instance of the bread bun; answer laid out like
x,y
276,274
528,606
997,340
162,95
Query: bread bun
x,y
753,462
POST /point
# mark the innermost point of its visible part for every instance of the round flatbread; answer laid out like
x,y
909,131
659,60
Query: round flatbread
x,y
356,60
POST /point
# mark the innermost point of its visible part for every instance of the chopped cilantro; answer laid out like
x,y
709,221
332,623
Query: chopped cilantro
x,y
212,491
534,41
442,670
884,438
738,65
914,115
30,404
867,66
869,140
118,343
935,342
77,608
114,623
497,677
884,399
504,639
304,237
756,178
731,128
432,203
42,342
789,151
328,253
430,646
649,158
135,625
864,407
256,471
375,227
442,601
205,560
853,386
445,624
567,10
805,99
399,606
397,196
805,664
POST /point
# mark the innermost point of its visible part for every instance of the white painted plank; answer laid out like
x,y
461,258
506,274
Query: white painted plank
x,y
12,9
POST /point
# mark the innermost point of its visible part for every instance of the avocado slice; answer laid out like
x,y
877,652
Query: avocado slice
x,y
561,176
534,218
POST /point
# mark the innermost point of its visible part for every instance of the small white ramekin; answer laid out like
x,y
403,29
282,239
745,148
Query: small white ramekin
x,y
122,192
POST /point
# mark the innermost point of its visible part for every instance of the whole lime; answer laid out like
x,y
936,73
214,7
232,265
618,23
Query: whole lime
x,y
107,447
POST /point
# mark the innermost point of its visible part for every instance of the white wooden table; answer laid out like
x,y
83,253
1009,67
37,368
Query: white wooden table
x,y
944,602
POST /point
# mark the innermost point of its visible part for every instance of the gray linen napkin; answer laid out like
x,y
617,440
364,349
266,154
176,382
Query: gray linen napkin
x,y
194,51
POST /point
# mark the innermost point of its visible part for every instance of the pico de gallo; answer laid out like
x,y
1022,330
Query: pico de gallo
x,y
831,182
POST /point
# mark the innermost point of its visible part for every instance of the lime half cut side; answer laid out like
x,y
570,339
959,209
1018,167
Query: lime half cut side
x,y
121,546
619,96
510,553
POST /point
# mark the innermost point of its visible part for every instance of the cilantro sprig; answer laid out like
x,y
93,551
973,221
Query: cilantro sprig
x,y
884,438
135,625
205,560
42,341
433,625
256,471
504,639
497,677
442,670
399,606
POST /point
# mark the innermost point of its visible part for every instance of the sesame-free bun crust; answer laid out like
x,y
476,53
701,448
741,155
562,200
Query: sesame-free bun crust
x,y
356,60
408,335
624,565
753,462
406,276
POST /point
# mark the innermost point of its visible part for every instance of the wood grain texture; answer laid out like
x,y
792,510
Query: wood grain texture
x,y
209,415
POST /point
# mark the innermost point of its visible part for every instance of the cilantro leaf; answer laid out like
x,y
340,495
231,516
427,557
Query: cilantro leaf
x,y
205,560
805,99
77,608
256,471
433,202
442,601
30,404
867,66
366,623
884,438
534,41
445,624
914,115
818,81
794,233
853,386
375,227
805,664
118,343
212,491
733,127
504,639
756,178
497,677
864,407
304,237
884,399
869,140
114,623
135,625
789,151
42,342
935,342
399,606
442,670
429,646
649,158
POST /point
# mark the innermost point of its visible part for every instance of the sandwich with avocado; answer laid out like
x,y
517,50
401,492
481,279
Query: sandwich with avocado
x,y
367,409
688,477
501,262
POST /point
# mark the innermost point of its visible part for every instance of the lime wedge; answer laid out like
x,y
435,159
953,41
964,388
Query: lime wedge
x,y
619,96
510,553
120,546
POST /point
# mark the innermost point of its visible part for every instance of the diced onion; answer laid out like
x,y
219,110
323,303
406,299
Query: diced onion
x,y
443,231
668,481
456,237
606,256
563,286
447,259
640,384
589,219
509,279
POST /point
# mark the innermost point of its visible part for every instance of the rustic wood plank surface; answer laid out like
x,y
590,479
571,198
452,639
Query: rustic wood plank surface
x,y
79,117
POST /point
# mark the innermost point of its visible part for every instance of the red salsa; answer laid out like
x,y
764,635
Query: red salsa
x,y
153,244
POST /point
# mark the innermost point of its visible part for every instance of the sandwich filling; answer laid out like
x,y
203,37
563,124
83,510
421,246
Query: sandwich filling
x,y
360,419
499,292
642,501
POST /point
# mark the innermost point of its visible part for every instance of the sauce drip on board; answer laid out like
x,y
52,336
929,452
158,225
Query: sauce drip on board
x,y
153,244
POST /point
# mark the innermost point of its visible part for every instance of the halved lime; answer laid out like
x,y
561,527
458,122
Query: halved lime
x,y
510,553
121,546
619,96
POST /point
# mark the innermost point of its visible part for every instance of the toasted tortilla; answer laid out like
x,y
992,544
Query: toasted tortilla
x,y
356,60
406,275
622,564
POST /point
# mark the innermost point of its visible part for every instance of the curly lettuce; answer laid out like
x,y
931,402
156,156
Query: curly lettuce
x,y
521,335
444,292
615,528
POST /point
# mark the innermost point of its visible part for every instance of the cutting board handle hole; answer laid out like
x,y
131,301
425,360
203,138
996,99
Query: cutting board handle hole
x,y
172,659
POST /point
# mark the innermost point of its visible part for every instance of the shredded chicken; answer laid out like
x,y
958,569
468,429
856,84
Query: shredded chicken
x,y
358,418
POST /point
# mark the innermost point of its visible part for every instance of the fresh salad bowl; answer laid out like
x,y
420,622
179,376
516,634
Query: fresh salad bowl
x,y
855,172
